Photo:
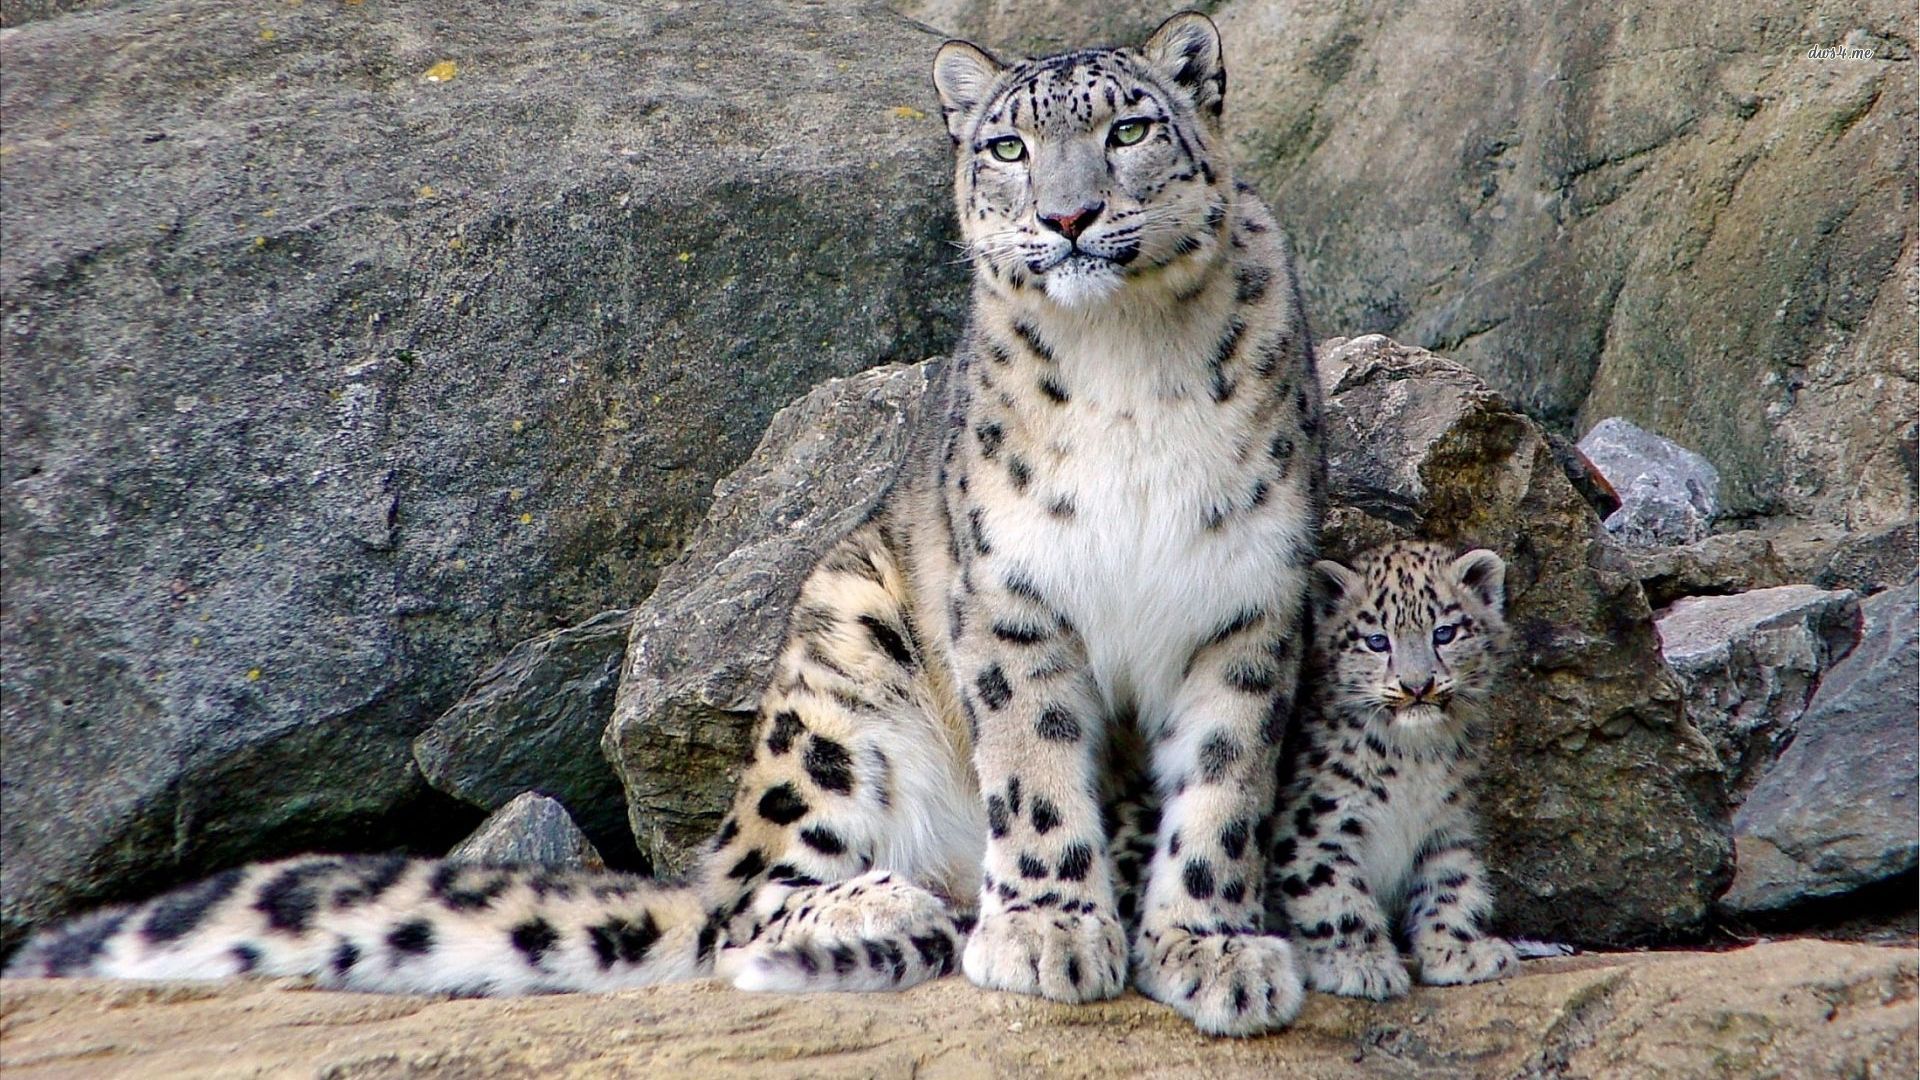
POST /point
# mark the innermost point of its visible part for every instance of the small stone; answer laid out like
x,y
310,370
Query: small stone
x,y
1668,494
531,830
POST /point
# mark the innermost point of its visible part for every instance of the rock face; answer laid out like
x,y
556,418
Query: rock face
x,y
531,828
1789,1009
1595,778
704,643
1679,217
533,722
349,344
1750,663
1838,810
1668,493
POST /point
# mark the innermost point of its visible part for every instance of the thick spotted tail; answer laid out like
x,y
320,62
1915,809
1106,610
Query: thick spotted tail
x,y
394,924
874,932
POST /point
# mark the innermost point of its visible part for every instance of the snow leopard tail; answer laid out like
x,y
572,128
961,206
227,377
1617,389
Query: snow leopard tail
x,y
873,932
396,925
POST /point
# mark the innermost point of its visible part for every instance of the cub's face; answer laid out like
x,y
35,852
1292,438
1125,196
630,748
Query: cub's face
x,y
1080,174
1411,632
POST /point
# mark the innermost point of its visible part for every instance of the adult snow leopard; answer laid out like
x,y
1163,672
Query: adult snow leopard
x,y
1088,582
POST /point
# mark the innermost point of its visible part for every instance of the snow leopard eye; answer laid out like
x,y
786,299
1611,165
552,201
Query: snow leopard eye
x,y
1128,132
1377,642
1443,634
1007,148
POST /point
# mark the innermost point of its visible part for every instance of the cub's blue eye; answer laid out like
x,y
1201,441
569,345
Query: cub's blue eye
x,y
1377,642
1007,148
1442,634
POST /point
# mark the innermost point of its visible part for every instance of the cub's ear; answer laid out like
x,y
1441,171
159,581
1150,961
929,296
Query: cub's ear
x,y
962,72
1482,573
1186,49
1332,585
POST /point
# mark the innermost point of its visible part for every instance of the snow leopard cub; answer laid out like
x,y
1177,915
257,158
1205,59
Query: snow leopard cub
x,y
1376,834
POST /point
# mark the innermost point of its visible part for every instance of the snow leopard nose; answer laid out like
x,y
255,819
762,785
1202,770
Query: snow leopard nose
x,y
1417,692
1074,222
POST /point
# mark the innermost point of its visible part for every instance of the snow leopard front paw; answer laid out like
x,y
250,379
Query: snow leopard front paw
x,y
872,932
1064,957
1450,962
1227,984
1373,971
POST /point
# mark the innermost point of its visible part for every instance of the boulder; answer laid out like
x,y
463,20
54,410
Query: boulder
x,y
1871,560
1838,811
1782,1009
703,644
1750,662
349,344
1604,811
531,829
1596,777
1668,493
1732,562
533,721
1680,217
1864,560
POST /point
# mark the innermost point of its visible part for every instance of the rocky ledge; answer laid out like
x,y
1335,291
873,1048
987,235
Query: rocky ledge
x,y
1795,1008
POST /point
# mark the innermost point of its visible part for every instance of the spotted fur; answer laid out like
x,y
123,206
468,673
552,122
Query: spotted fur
x,y
1045,684
1376,832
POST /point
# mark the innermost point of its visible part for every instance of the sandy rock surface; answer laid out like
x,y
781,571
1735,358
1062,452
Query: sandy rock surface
x,y
1788,1009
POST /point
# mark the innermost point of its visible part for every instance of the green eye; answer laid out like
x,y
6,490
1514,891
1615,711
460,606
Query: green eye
x,y
1128,132
1007,148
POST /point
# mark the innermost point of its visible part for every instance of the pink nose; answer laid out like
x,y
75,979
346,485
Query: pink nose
x,y
1071,225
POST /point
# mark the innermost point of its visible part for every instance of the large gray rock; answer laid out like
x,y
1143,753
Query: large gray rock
x,y
1840,809
1667,213
533,721
327,381
530,830
704,643
1668,494
1596,778
1750,662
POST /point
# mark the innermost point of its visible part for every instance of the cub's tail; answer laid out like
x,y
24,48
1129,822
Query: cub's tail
x,y
397,925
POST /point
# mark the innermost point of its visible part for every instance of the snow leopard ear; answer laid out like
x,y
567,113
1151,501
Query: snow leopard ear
x,y
1482,573
1186,49
962,72
1332,585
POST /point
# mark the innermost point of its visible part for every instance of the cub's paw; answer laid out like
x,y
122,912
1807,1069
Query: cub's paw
x,y
1374,971
1057,955
1227,984
1453,963
873,932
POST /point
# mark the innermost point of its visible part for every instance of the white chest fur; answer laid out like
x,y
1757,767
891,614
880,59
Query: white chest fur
x,y
1141,452
1399,830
